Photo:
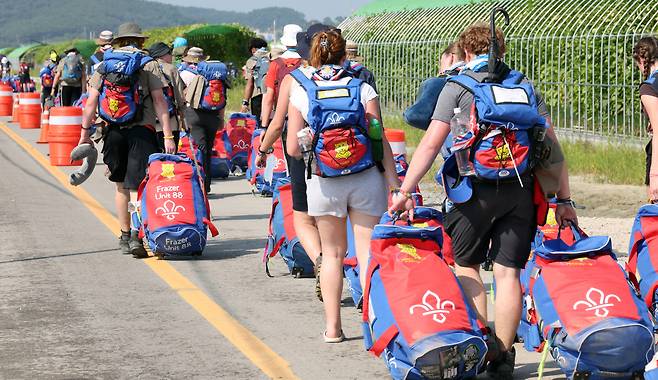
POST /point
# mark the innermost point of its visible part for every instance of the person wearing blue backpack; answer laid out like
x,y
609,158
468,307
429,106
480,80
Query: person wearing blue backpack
x,y
47,76
492,188
70,77
104,43
349,162
127,92
205,94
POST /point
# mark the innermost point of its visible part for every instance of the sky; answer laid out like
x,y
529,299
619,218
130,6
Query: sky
x,y
312,10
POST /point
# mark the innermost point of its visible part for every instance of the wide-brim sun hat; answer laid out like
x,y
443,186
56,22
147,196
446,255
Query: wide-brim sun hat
x,y
458,189
289,37
129,30
352,47
105,38
194,55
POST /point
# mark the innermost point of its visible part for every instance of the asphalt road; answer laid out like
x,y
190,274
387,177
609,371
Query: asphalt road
x,y
71,306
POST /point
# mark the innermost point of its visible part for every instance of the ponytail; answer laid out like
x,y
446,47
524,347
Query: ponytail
x,y
327,48
646,51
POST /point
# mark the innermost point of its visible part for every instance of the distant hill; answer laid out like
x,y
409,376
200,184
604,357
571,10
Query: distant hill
x,y
47,20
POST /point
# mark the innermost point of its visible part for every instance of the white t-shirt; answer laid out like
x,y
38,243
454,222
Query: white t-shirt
x,y
299,98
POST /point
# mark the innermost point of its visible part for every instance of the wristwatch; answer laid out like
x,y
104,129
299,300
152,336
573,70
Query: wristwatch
x,y
269,151
245,102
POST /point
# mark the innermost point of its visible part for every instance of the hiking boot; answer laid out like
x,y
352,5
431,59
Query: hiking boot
x,y
502,367
137,246
124,243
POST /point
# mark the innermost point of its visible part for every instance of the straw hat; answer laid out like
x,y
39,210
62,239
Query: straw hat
x,y
352,50
105,38
195,55
289,37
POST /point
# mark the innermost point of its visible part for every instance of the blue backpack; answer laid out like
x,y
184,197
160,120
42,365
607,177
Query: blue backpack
x,y
282,238
174,211
341,145
580,306
416,316
121,96
215,74
72,71
419,114
507,124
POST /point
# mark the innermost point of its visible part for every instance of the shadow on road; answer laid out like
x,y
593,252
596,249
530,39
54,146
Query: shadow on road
x,y
59,256
231,249
241,217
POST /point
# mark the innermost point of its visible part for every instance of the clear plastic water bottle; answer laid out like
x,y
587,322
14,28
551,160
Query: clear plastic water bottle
x,y
305,140
270,165
459,126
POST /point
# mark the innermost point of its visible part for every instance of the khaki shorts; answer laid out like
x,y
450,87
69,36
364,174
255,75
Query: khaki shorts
x,y
365,192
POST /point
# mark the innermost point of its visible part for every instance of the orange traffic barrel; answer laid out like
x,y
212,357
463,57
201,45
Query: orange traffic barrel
x,y
396,138
14,110
64,134
45,123
6,100
29,110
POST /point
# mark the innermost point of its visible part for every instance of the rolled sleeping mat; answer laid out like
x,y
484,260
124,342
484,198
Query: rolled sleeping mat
x,y
89,155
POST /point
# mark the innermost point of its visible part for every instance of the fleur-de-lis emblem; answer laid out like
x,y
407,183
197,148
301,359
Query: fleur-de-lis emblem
x,y
241,145
598,302
120,66
279,164
335,118
433,306
169,210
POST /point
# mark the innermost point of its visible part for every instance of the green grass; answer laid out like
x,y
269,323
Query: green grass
x,y
604,163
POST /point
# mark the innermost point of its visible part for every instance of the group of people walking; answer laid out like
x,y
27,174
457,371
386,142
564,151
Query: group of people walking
x,y
346,172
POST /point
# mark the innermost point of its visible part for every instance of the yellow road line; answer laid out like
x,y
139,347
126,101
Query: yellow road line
x,y
244,340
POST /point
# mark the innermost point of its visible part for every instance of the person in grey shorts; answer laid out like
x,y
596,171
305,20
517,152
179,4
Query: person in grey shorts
x,y
362,195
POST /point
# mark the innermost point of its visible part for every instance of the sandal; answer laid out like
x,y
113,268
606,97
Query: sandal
x,y
318,288
333,340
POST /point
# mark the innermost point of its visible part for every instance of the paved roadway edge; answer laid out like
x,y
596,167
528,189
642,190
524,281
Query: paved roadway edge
x,y
244,340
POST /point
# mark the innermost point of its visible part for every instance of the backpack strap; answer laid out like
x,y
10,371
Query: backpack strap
x,y
95,59
304,81
465,80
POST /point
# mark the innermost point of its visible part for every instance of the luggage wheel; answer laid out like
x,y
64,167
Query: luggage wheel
x,y
581,375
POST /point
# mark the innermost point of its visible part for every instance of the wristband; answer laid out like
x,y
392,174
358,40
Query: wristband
x,y
566,201
169,137
269,151
86,129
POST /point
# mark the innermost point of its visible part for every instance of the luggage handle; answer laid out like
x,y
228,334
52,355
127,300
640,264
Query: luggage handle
x,y
578,233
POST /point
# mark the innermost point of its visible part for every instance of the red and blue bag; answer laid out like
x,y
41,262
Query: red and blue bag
x,y
643,255
239,131
220,163
256,175
121,97
580,306
215,74
174,210
341,145
415,312
282,238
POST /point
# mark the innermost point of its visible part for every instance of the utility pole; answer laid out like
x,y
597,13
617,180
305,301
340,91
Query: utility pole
x,y
274,30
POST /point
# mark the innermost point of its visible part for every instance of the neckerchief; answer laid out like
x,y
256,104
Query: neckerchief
x,y
477,64
329,73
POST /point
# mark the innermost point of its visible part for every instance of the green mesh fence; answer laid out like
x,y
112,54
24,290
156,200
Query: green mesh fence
x,y
577,52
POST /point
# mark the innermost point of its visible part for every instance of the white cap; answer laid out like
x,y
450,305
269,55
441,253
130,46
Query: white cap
x,y
289,37
457,110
